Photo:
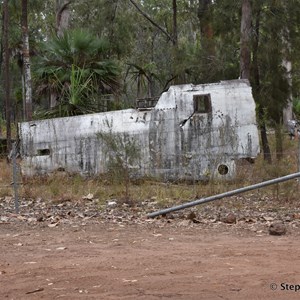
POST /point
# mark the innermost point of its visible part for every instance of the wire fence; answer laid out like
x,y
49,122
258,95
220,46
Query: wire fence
x,y
12,179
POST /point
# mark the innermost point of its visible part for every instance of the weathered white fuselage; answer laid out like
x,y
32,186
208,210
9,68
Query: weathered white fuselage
x,y
175,140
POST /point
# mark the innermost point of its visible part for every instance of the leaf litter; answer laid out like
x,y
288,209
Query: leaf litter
x,y
251,214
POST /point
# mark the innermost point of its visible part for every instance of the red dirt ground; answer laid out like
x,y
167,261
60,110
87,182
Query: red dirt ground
x,y
149,261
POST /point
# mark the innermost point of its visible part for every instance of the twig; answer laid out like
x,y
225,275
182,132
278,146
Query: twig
x,y
35,291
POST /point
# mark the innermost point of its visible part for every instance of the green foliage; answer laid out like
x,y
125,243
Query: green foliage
x,y
75,67
110,38
74,98
274,86
123,153
296,107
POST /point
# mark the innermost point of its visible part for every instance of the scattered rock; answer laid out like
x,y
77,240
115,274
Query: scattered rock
x,y
191,216
250,220
31,220
184,223
40,218
4,219
52,225
89,197
296,216
277,228
61,248
111,204
268,219
230,218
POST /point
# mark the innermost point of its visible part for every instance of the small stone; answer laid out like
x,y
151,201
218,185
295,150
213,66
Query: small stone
x,y
31,220
296,216
89,197
268,219
4,219
191,216
229,218
277,228
40,218
111,204
184,223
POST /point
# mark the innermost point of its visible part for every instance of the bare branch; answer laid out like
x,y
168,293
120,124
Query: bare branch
x,y
152,22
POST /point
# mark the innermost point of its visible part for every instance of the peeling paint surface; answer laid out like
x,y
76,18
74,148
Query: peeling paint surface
x,y
176,141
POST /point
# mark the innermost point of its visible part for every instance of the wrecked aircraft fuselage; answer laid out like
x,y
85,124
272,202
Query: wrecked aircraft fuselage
x,y
193,132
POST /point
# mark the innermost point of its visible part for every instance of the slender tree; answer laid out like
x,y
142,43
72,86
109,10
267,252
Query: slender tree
x,y
257,90
26,63
205,18
6,74
287,63
245,50
175,33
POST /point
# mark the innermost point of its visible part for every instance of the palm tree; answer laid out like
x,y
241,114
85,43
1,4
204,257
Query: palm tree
x,y
74,71
144,77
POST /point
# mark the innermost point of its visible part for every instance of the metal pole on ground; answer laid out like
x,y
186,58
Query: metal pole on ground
x,y
223,195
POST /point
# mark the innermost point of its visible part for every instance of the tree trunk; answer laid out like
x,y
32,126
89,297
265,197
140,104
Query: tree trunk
x,y
6,75
245,54
175,37
62,15
26,63
278,138
203,16
62,23
288,110
256,93
265,144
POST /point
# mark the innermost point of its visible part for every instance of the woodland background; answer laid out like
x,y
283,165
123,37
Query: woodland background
x,y
69,57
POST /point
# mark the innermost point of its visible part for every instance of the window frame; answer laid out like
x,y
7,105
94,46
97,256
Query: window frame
x,y
202,103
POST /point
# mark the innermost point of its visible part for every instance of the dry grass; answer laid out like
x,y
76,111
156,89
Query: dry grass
x,y
61,187
5,179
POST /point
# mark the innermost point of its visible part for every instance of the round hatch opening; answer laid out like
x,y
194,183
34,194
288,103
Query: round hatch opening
x,y
223,169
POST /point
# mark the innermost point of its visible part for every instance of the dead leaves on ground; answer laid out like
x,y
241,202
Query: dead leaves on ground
x,y
39,212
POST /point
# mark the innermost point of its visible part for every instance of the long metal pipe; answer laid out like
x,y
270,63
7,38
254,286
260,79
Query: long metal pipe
x,y
223,195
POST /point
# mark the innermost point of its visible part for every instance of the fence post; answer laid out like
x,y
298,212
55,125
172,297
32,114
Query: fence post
x,y
15,177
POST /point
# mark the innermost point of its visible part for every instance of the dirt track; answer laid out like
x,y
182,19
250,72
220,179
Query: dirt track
x,y
109,261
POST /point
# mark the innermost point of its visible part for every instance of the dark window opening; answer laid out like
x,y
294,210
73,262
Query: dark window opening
x,y
43,152
202,104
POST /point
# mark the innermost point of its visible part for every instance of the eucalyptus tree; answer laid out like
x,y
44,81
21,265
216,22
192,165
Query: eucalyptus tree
x,y
256,83
271,76
26,63
6,73
245,48
114,19
37,15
